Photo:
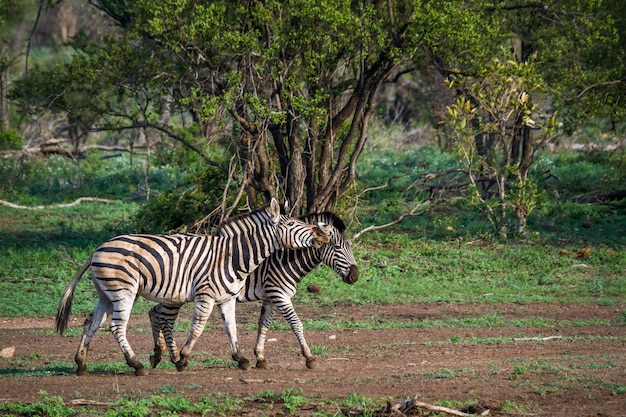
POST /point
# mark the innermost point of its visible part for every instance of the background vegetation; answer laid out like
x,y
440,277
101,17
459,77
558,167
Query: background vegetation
x,y
278,97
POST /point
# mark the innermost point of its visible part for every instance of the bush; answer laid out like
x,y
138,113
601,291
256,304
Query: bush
x,y
10,140
183,206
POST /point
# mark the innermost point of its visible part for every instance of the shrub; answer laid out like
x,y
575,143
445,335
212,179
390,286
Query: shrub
x,y
183,206
10,140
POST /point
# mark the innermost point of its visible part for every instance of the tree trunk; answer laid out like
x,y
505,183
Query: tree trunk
x,y
295,170
4,75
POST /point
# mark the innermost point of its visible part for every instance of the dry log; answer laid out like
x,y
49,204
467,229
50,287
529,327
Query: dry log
x,y
55,206
84,402
404,408
536,339
55,146
413,212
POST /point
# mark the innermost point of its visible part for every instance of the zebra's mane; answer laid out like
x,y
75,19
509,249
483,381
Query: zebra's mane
x,y
334,219
237,217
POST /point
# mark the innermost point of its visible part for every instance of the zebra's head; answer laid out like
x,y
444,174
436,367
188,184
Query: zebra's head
x,y
337,254
296,234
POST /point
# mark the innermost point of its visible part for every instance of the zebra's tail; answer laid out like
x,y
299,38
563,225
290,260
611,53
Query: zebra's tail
x,y
65,306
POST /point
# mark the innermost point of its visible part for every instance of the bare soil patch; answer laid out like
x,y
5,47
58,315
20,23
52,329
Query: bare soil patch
x,y
581,371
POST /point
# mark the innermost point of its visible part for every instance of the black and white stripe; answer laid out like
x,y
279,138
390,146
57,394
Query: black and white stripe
x,y
275,282
175,269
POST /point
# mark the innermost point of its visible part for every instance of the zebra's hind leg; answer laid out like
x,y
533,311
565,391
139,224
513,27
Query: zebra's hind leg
x,y
119,321
92,323
157,335
265,320
201,312
162,320
228,317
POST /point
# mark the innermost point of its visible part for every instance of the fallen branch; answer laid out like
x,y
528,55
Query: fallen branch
x,y
536,339
412,403
55,146
54,206
413,212
83,402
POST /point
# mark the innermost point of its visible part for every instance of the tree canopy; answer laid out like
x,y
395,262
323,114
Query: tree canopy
x,y
287,88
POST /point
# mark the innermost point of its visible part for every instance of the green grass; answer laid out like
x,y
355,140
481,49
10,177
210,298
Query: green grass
x,y
395,267
401,267
491,319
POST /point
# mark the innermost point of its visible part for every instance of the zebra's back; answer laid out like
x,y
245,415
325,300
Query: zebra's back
x,y
161,268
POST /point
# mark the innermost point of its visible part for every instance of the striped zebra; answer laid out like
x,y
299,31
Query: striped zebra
x,y
274,283
175,269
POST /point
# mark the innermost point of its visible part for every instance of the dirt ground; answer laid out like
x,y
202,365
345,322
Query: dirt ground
x,y
549,371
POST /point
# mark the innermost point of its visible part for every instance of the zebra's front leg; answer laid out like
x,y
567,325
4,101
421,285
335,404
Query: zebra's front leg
x,y
286,309
201,312
265,320
227,310
162,319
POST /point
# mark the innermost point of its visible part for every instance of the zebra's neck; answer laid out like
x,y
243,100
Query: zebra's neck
x,y
248,241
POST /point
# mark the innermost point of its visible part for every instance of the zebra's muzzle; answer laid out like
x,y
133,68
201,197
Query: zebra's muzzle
x,y
352,276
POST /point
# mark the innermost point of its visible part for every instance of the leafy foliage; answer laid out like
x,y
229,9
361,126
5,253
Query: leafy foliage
x,y
181,208
10,140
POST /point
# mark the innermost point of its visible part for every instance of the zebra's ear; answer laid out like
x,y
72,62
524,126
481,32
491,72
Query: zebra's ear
x,y
275,209
323,234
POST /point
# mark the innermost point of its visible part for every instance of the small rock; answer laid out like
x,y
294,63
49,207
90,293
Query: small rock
x,y
314,288
7,352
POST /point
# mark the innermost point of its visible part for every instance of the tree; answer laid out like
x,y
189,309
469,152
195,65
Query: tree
x,y
497,124
287,88
486,129
298,79
12,22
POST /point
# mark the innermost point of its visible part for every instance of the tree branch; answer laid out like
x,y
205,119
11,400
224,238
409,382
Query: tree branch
x,y
413,212
30,37
55,206
405,407
601,84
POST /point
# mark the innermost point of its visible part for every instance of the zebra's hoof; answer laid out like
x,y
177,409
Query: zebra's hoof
x,y
244,364
155,360
181,365
261,364
311,363
141,372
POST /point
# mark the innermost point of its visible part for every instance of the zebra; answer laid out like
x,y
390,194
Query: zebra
x,y
274,283
174,269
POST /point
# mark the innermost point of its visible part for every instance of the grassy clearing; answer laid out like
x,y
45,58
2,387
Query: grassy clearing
x,y
44,249
446,255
